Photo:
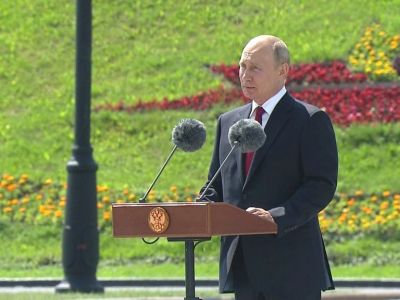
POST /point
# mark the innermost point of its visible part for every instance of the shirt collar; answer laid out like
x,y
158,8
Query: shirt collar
x,y
270,104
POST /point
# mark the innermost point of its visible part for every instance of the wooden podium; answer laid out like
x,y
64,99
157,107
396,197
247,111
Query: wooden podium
x,y
188,222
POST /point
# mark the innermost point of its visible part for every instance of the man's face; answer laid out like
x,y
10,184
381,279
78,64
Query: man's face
x,y
260,76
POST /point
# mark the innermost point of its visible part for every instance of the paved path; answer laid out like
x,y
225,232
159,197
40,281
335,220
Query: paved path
x,y
338,294
207,289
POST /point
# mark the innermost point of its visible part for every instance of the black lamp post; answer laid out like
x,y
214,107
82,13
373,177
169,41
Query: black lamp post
x,y
80,236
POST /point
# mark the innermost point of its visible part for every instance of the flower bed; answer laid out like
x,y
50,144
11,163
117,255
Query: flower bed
x,y
344,106
30,202
375,53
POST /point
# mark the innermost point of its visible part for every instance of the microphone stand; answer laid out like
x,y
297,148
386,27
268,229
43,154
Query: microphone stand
x,y
143,199
235,144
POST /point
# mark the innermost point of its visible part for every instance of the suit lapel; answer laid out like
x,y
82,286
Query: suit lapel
x,y
275,123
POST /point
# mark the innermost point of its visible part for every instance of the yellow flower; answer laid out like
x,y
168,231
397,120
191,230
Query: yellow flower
x,y
7,209
106,216
386,194
102,188
48,181
152,196
22,209
173,189
359,193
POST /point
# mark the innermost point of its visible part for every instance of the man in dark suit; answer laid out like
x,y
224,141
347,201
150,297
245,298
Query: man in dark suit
x,y
296,168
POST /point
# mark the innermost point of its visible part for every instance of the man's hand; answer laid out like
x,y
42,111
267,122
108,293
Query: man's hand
x,y
261,213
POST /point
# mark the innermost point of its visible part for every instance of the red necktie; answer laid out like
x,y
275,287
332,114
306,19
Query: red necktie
x,y
248,157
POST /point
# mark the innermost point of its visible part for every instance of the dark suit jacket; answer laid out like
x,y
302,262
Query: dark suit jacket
x,y
295,168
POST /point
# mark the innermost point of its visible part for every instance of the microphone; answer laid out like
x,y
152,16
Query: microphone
x,y
188,135
247,135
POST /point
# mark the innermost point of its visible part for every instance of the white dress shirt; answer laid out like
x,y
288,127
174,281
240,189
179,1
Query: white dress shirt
x,y
268,106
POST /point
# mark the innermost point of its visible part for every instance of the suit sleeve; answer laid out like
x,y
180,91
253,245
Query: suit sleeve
x,y
319,159
214,192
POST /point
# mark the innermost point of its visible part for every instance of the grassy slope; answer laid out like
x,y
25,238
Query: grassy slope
x,y
39,255
146,50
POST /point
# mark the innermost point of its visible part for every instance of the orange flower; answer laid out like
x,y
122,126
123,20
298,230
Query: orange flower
x,y
351,202
58,213
367,210
384,205
386,194
11,187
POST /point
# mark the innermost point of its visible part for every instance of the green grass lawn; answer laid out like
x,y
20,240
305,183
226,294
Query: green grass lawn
x,y
35,251
148,50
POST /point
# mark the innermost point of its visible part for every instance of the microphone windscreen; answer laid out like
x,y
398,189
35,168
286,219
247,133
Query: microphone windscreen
x,y
189,135
248,133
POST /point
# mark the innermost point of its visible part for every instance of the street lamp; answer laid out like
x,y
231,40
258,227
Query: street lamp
x,y
80,235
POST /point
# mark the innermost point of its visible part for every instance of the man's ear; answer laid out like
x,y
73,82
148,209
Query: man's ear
x,y
284,71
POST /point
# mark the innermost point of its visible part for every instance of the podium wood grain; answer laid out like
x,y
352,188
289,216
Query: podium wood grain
x,y
188,219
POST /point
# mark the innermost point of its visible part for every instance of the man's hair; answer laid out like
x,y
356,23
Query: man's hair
x,y
281,52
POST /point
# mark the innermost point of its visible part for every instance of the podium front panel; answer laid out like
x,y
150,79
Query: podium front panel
x,y
185,219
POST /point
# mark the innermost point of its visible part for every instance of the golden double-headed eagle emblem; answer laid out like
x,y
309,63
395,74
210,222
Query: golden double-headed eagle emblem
x,y
158,220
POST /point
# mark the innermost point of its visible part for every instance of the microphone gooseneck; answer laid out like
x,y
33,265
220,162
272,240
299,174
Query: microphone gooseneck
x,y
189,135
246,134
